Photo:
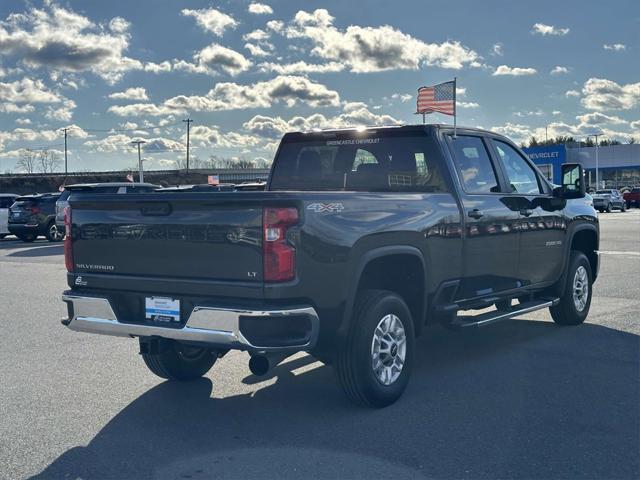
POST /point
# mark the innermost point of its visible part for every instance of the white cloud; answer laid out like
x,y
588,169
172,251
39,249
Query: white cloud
x,y
62,40
23,121
215,58
260,9
403,97
142,109
162,67
543,29
597,118
559,70
62,113
211,20
288,89
301,67
467,104
374,49
556,113
27,90
256,36
354,114
496,50
256,50
514,71
618,47
13,108
571,93
275,25
603,94
212,136
133,93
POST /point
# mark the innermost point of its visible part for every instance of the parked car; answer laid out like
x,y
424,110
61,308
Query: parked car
x,y
107,187
6,200
632,197
34,215
608,200
359,240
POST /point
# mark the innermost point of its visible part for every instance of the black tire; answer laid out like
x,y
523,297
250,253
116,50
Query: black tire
x,y
354,361
2,235
503,304
624,207
29,237
609,208
180,362
566,312
52,232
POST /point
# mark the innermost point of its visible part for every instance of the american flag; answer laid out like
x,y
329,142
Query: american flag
x,y
439,98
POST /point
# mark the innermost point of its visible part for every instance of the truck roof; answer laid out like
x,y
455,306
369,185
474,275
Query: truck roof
x,y
417,127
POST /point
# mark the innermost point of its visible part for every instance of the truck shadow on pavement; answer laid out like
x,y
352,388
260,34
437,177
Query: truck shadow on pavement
x,y
521,399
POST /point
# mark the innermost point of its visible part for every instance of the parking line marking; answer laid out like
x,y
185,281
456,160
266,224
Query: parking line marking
x,y
611,252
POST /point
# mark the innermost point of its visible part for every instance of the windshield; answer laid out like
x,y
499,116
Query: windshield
x,y
603,192
359,163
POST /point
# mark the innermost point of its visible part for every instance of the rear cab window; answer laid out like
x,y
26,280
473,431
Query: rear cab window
x,y
359,161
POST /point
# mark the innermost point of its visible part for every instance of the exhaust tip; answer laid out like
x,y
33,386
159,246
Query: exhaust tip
x,y
259,365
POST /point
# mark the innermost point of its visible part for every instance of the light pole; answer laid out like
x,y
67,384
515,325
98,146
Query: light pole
x,y
138,143
597,176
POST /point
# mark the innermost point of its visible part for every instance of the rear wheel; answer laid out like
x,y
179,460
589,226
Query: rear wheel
x,y
576,296
609,208
180,362
374,364
52,233
624,207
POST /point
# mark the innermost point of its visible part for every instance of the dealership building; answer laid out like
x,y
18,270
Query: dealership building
x,y
618,165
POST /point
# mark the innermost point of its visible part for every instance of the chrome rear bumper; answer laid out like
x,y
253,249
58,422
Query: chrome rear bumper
x,y
218,327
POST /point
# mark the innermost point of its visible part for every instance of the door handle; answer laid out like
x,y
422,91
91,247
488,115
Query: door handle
x,y
475,213
526,212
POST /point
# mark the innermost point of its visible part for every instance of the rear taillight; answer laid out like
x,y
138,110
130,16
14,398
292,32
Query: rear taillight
x,y
279,254
68,246
35,210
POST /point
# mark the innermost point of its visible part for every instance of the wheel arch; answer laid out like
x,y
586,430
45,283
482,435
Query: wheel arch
x,y
404,262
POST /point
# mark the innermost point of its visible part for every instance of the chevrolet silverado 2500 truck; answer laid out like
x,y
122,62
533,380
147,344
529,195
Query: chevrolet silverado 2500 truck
x,y
360,238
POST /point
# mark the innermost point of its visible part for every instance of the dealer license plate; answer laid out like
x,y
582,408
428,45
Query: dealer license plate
x,y
162,309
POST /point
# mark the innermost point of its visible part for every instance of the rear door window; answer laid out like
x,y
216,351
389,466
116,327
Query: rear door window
x,y
474,165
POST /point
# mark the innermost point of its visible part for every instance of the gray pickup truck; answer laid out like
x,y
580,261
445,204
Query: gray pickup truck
x,y
360,239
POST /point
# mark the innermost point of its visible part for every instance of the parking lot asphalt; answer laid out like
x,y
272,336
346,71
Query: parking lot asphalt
x,y
519,399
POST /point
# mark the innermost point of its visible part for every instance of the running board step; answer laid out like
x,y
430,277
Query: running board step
x,y
465,321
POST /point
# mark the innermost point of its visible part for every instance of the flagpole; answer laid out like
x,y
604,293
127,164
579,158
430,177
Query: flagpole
x,y
424,116
455,107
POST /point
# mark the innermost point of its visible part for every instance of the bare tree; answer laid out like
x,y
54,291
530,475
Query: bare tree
x,y
27,161
194,162
49,161
231,162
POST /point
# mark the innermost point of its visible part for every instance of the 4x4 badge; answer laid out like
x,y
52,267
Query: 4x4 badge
x,y
326,207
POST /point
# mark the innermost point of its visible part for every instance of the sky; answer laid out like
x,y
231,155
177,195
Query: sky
x,y
246,72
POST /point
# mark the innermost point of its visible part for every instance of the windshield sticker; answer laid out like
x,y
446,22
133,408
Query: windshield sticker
x,y
353,141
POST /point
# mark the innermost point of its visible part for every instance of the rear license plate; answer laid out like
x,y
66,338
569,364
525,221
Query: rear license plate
x,y
162,309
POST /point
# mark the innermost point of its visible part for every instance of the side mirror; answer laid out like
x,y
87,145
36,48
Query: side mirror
x,y
573,185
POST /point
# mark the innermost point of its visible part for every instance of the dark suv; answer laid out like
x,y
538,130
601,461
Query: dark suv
x,y
34,215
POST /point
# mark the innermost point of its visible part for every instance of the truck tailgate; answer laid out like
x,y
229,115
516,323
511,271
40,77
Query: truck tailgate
x,y
213,236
